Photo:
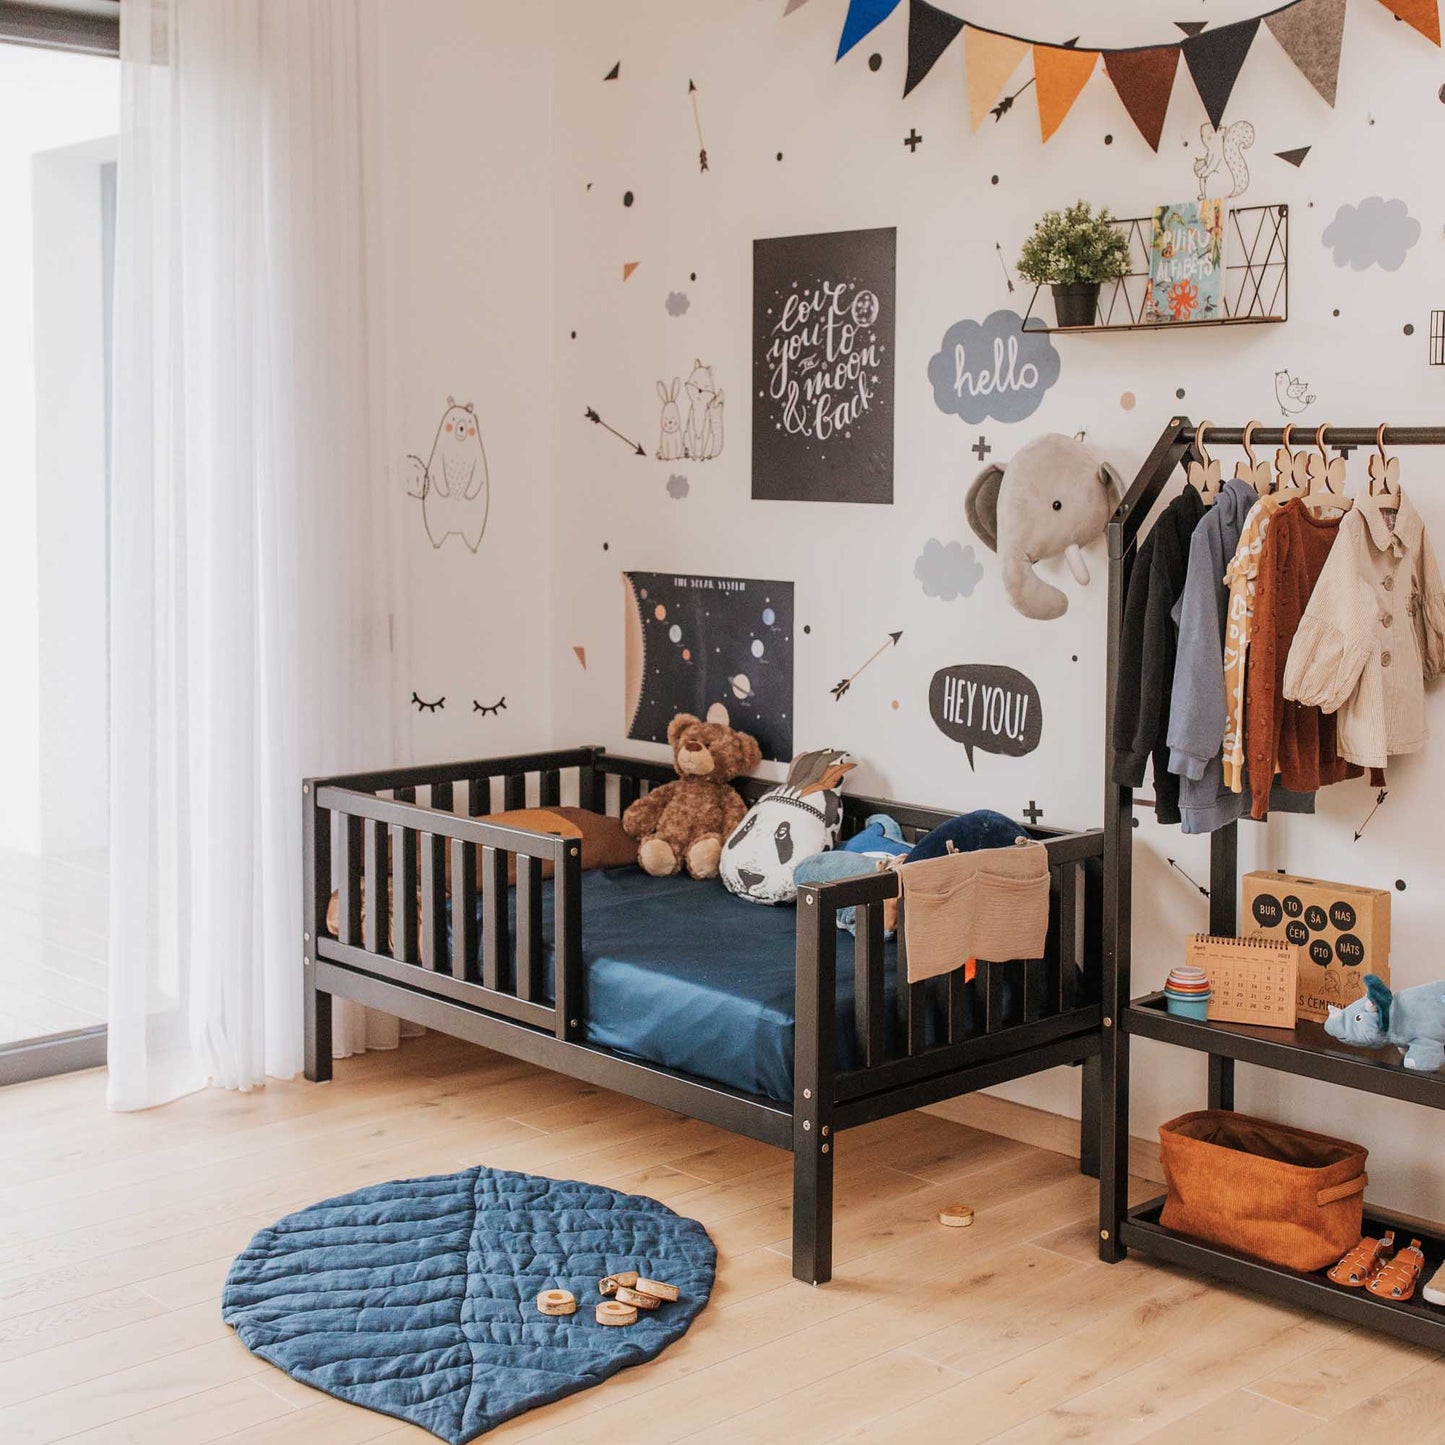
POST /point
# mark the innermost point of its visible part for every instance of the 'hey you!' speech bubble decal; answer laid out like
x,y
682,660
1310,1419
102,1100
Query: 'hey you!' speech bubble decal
x,y
992,368
985,706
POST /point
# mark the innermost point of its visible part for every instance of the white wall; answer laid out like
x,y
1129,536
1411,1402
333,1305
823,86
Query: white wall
x,y
464,165
47,100
768,84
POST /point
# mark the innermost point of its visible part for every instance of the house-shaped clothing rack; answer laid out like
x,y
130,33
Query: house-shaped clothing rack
x,y
1305,1051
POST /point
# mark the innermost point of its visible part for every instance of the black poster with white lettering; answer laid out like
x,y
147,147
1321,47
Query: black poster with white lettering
x,y
823,367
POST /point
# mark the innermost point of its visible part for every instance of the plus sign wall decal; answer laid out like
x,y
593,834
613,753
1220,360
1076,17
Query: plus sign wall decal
x,y
912,140
981,448
1033,813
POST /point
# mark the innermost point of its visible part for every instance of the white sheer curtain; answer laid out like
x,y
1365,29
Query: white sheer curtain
x,y
250,595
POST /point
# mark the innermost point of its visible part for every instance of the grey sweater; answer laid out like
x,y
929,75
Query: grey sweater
x,y
1197,709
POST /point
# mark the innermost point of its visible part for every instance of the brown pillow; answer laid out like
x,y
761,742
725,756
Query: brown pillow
x,y
604,845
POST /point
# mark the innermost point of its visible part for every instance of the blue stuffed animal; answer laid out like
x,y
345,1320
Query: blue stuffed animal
x,y
1413,1020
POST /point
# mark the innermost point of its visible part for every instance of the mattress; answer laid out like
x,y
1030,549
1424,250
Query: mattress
x,y
681,973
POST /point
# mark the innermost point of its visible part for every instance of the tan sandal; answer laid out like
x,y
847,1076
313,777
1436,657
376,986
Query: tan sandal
x,y
1363,1262
1397,1280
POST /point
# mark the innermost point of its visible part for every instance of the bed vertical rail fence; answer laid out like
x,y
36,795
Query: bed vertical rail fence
x,y
814,1041
571,1002
316,898
1122,534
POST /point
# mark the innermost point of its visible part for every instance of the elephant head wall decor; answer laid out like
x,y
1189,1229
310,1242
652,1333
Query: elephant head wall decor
x,y
1051,500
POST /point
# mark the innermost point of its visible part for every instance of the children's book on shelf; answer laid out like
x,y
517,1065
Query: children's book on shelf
x,y
1186,262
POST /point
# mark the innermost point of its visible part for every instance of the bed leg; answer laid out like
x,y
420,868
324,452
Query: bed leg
x,y
318,1029
813,1209
813,1060
1090,1097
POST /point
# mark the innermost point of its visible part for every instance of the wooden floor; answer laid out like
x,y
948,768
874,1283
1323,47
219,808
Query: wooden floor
x,y
116,1231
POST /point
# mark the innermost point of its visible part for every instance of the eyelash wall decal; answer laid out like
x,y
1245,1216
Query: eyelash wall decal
x,y
496,707
436,706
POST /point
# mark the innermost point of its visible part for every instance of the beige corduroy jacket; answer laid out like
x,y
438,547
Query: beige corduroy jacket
x,y
1373,632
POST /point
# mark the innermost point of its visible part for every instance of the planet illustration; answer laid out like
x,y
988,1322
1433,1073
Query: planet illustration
x,y
865,309
742,686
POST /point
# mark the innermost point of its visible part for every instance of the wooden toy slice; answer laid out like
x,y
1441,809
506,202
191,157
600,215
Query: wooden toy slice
x,y
607,1285
609,1312
625,1276
657,1289
956,1216
557,1302
636,1298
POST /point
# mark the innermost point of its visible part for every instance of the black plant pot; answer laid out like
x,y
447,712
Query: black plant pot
x,y
1076,303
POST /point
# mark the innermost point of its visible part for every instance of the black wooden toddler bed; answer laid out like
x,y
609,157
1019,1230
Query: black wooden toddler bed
x,y
671,990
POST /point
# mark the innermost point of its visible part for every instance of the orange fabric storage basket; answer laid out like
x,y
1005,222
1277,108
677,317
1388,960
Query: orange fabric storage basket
x,y
1281,1194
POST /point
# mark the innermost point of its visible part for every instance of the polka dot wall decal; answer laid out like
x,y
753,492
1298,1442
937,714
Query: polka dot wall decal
x,y
807,628
1179,393
993,180
1408,329
1108,140
1441,94
1075,657
875,61
780,155
1400,882
627,198
606,545
692,275
1335,312
895,704
574,336
1127,400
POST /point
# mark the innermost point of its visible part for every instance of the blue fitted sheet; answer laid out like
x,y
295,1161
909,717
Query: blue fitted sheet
x,y
681,973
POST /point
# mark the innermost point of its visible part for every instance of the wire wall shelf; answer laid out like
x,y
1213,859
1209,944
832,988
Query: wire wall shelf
x,y
1256,285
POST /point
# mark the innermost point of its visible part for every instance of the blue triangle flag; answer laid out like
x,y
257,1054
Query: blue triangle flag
x,y
864,16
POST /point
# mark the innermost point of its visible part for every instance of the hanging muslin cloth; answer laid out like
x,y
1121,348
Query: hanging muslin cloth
x,y
991,904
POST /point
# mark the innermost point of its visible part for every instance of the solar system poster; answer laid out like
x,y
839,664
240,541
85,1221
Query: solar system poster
x,y
694,641
822,397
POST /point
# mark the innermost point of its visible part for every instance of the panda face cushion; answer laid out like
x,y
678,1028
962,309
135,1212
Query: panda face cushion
x,y
784,826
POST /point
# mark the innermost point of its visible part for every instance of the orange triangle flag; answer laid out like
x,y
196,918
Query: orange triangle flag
x,y
628,267
1424,15
1059,75
988,61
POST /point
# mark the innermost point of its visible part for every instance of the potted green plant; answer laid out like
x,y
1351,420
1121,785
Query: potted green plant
x,y
1074,251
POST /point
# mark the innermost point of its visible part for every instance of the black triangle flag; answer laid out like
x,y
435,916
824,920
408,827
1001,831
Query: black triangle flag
x,y
1192,27
930,32
1295,157
1215,58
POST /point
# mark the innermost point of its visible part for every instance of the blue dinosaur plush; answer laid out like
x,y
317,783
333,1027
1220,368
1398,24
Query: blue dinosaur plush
x,y
1413,1020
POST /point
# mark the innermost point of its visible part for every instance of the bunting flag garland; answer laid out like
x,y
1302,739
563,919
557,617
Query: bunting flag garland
x,y
1311,34
1144,80
988,61
864,17
1424,15
1059,75
1215,58
930,32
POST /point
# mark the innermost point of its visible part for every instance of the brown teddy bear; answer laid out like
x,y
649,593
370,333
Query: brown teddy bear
x,y
684,823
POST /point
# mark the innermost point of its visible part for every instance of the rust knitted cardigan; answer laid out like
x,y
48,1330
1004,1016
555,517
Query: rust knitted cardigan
x,y
1282,736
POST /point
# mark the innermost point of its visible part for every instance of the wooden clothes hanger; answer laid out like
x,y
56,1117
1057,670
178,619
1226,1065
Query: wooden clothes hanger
x,y
1326,489
1384,472
1289,466
1203,472
1253,473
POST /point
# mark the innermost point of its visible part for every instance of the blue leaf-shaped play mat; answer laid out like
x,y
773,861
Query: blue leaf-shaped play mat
x,y
418,1298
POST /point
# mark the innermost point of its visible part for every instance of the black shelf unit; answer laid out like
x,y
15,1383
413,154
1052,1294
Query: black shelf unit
x,y
1305,1050
1256,280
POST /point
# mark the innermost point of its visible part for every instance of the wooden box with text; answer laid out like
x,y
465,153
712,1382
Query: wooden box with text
x,y
1342,931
